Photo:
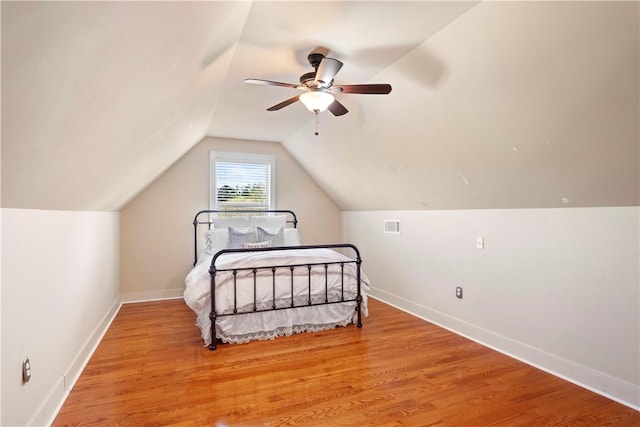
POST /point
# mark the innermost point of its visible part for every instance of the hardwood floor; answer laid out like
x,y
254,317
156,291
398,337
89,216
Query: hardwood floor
x,y
152,369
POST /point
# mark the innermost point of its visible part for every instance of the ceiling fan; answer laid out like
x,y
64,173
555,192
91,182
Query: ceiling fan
x,y
318,89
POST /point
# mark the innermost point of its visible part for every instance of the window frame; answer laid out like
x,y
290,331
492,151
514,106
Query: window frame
x,y
236,157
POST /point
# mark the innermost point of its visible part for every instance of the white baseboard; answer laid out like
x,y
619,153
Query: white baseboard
x,y
606,385
47,412
142,296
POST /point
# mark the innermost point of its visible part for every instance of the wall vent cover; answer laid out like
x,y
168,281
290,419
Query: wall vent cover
x,y
392,226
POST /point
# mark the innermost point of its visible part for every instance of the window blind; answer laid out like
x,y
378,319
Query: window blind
x,y
242,184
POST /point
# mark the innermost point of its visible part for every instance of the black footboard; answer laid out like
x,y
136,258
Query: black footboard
x,y
273,270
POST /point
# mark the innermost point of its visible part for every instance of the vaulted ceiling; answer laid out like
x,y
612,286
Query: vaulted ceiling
x,y
494,104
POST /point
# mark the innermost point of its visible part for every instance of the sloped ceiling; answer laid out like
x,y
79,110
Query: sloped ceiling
x,y
536,106
99,98
494,104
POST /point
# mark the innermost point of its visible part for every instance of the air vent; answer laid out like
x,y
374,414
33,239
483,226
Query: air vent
x,y
392,226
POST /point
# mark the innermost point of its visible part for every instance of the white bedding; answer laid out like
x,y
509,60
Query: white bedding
x,y
268,325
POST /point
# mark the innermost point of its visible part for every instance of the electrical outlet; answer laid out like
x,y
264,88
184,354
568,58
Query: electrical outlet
x,y
26,370
459,292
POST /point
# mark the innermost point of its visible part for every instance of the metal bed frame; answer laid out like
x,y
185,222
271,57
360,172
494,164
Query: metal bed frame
x,y
213,270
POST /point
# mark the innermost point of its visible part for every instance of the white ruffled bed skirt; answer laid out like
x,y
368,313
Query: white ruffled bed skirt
x,y
243,328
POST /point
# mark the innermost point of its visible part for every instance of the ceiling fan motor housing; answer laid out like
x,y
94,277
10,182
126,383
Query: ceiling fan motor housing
x,y
315,59
307,78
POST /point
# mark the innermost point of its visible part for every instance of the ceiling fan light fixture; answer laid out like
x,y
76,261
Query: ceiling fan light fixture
x,y
316,101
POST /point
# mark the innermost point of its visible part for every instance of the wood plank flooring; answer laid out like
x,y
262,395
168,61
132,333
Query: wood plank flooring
x,y
152,369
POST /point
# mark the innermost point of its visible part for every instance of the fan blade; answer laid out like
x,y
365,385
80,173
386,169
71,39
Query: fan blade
x,y
337,108
269,83
369,89
284,103
327,70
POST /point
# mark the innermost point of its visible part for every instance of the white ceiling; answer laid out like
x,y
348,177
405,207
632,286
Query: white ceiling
x,y
494,104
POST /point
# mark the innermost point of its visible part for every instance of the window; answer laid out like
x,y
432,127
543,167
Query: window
x,y
242,181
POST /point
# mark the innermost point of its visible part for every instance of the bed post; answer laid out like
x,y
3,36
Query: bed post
x,y
212,315
195,239
359,297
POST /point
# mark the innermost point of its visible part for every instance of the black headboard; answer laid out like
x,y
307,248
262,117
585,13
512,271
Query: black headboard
x,y
208,213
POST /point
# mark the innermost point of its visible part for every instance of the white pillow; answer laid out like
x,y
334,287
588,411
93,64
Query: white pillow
x,y
275,235
291,237
215,240
268,221
239,236
231,221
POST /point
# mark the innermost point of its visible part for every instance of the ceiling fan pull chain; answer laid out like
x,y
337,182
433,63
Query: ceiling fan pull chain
x,y
317,121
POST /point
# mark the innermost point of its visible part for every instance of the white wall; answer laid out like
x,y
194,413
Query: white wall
x,y
59,291
558,288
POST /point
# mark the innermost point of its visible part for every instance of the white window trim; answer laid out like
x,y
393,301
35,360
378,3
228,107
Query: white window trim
x,y
225,156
